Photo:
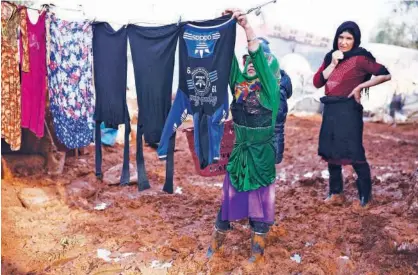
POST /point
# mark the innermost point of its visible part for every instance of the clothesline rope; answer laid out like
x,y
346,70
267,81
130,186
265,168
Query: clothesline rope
x,y
257,10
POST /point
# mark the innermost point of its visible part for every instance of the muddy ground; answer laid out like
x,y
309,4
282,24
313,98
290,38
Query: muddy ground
x,y
50,224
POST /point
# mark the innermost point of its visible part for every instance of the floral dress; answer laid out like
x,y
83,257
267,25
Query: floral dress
x,y
12,19
70,81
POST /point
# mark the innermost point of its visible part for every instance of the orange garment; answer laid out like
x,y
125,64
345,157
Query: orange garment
x,y
12,19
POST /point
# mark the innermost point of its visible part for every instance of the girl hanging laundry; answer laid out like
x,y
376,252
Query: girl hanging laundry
x,y
248,188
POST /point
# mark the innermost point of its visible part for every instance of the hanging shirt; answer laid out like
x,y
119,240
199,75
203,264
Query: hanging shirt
x,y
110,79
205,50
153,52
71,92
34,81
11,20
110,74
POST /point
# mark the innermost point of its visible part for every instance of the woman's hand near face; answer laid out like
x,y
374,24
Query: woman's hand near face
x,y
336,57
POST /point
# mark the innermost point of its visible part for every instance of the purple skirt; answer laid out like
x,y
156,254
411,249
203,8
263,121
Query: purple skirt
x,y
258,205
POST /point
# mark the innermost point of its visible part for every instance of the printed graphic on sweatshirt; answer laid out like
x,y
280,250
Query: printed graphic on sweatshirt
x,y
201,44
202,83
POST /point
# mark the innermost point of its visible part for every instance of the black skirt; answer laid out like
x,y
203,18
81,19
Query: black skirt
x,y
341,135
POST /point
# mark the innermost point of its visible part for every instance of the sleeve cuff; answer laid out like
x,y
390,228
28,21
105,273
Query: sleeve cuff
x,y
163,157
254,53
321,76
382,71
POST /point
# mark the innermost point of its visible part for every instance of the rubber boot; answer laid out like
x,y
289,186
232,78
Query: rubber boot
x,y
218,238
364,183
335,180
335,193
258,244
365,193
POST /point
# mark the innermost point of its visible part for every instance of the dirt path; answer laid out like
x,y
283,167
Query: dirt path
x,y
155,233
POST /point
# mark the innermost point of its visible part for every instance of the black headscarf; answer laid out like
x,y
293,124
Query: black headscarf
x,y
354,30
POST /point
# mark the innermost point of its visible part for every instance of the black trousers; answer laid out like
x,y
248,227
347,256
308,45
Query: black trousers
x,y
364,182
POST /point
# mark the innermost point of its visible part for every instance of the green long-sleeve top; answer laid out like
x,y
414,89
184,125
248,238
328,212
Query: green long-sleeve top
x,y
254,111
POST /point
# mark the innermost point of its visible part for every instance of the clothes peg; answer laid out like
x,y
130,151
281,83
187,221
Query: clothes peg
x,y
44,7
258,8
80,7
92,21
258,11
178,22
48,6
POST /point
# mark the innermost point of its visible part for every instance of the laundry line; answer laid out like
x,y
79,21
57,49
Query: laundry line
x,y
256,9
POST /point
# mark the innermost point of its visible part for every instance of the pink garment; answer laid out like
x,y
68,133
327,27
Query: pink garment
x,y
34,81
